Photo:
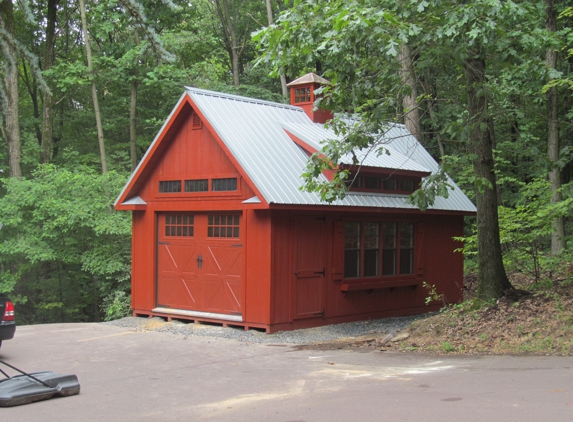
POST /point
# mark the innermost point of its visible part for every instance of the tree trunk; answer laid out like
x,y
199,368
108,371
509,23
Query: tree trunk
x,y
48,103
230,34
282,75
558,232
133,109
410,101
11,127
492,279
94,90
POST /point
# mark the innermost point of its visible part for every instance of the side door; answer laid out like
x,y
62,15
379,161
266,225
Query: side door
x,y
309,267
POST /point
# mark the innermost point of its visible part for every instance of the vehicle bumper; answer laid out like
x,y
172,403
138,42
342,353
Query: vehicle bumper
x,y
7,330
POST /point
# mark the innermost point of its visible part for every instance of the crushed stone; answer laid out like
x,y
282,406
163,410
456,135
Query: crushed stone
x,y
376,327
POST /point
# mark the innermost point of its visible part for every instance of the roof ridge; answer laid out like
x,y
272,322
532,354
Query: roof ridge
x,y
242,98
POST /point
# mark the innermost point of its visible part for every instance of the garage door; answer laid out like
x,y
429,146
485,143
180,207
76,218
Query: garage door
x,y
200,263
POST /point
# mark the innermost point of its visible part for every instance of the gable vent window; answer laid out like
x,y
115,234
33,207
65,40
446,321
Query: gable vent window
x,y
302,95
196,121
170,186
179,225
224,184
223,226
201,185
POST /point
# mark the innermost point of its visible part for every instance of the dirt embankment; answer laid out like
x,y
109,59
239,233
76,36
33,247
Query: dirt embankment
x,y
537,323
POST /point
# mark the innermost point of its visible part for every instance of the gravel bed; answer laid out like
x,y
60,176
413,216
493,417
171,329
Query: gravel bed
x,y
377,327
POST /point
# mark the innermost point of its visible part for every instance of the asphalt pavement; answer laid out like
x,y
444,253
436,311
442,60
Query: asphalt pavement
x,y
152,376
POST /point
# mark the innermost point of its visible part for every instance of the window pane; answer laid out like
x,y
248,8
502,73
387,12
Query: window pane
x,y
351,264
406,235
371,263
170,186
223,225
224,184
407,185
406,261
372,183
389,233
371,235
389,262
351,235
390,184
201,185
179,225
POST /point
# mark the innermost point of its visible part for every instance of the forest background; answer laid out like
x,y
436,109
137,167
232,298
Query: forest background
x,y
486,86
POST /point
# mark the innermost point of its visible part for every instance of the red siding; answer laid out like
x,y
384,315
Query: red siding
x,y
282,273
435,263
258,267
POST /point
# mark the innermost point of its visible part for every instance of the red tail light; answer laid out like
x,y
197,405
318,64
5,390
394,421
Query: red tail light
x,y
9,312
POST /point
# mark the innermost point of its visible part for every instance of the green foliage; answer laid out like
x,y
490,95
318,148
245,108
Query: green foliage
x,y
447,347
433,295
63,247
116,305
526,228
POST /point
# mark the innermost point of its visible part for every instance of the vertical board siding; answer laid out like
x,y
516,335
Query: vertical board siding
x,y
143,261
258,267
435,263
283,273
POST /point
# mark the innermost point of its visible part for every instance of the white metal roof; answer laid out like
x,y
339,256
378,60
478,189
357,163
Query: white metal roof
x,y
254,132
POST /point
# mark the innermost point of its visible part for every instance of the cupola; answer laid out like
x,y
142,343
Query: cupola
x,y
302,95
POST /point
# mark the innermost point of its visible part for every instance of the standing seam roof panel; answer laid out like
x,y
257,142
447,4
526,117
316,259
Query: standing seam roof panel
x,y
253,132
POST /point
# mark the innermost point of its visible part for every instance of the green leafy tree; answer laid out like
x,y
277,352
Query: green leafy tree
x,y
63,248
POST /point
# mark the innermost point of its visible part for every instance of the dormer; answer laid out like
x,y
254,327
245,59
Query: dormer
x,y
302,95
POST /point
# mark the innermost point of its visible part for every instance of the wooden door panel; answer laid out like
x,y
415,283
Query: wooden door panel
x,y
310,259
177,273
224,263
197,272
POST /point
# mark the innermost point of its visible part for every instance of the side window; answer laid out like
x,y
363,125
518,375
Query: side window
x,y
374,249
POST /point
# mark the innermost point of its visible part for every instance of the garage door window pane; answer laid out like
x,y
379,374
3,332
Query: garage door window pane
x,y
179,225
223,225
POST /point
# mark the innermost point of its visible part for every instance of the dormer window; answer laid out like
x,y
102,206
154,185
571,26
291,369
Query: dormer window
x,y
302,95
382,183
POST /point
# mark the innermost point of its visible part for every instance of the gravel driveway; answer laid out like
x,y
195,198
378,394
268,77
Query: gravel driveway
x,y
377,327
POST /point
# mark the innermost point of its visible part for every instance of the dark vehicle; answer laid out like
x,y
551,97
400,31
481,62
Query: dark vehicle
x,y
7,323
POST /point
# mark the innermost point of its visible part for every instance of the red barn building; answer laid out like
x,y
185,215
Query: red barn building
x,y
222,231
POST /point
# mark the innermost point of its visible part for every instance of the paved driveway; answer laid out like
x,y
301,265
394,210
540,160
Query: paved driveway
x,y
153,376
